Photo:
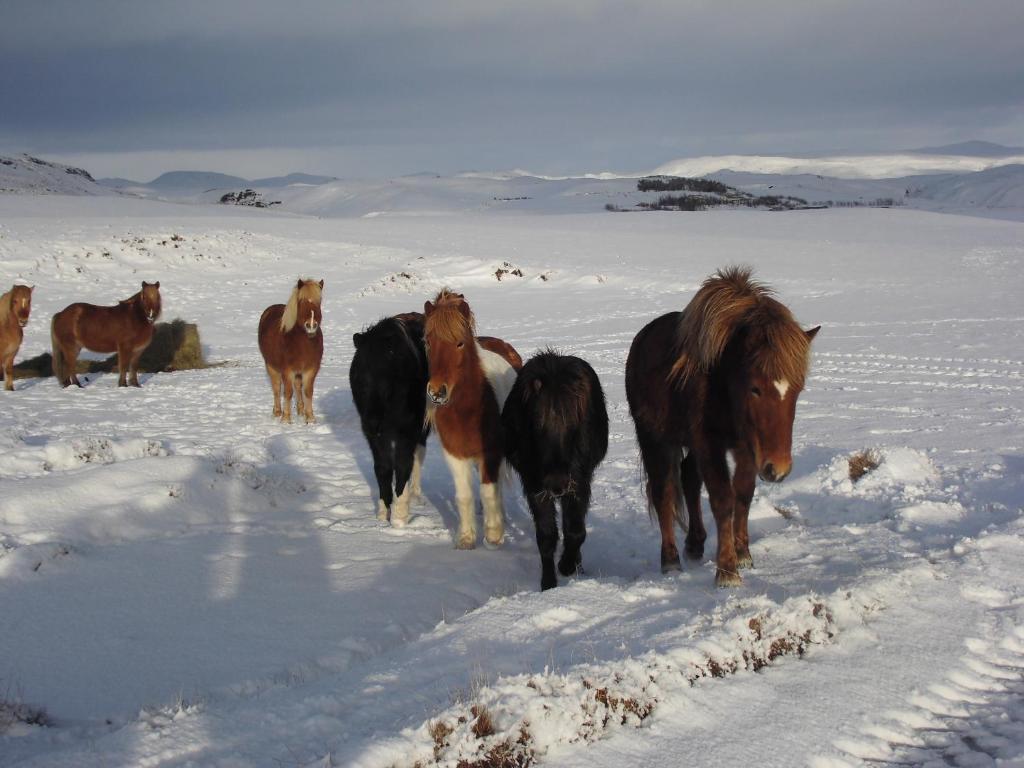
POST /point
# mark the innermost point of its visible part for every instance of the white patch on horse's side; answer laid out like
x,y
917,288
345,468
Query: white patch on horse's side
x,y
730,460
499,373
783,386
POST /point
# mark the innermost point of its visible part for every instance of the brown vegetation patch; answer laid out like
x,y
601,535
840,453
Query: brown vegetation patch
x,y
863,462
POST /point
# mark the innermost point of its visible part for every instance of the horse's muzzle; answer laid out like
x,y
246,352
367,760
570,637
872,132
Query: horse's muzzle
x,y
773,473
22,323
440,397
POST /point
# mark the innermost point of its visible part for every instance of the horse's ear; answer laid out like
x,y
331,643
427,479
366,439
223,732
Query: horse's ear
x,y
321,285
299,283
812,333
157,285
356,338
427,308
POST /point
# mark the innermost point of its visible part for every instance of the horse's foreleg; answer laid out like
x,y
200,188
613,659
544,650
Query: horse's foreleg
x,y
490,495
542,507
8,366
133,367
462,474
124,354
417,469
308,377
691,482
574,529
723,502
288,381
743,481
275,384
661,464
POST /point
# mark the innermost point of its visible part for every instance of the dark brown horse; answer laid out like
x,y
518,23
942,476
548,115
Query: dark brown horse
x,y
292,343
126,328
15,306
465,393
720,378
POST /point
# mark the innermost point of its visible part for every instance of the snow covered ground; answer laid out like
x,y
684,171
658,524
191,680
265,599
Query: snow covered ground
x,y
184,581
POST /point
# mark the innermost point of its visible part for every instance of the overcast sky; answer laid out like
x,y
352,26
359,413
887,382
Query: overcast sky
x,y
136,87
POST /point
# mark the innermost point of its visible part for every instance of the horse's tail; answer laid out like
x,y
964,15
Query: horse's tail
x,y
58,362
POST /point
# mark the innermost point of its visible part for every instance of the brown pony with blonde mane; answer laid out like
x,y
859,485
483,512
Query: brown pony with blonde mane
x,y
720,378
15,306
291,341
466,390
126,328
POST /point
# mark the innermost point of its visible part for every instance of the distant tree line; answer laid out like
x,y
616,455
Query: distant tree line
x,y
680,184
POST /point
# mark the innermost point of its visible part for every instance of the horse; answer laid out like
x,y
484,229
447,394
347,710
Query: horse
x,y
719,379
291,341
466,390
126,328
555,426
492,343
15,306
388,376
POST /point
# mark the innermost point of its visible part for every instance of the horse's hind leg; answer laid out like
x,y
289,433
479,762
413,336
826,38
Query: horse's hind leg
x,y
133,367
417,468
71,361
543,511
494,505
692,481
383,470
124,355
405,453
574,530
8,370
275,384
662,465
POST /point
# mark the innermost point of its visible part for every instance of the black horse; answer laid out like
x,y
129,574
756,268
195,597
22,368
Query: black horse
x,y
556,433
388,377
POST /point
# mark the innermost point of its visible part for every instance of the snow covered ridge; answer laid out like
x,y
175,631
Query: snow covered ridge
x,y
30,175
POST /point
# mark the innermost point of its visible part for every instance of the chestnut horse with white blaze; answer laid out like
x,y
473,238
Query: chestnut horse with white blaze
x,y
720,378
126,329
291,341
15,306
466,390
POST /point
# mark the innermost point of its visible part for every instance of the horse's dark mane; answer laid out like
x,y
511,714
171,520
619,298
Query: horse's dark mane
x,y
557,403
730,302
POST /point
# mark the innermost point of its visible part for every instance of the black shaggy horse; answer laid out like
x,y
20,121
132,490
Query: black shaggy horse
x,y
388,377
555,428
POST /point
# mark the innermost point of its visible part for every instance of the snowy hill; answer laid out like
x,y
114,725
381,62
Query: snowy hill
x,y
25,174
972,149
995,188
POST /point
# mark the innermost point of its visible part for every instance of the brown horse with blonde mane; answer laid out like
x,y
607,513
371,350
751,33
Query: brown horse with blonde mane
x,y
15,306
291,340
126,328
720,378
466,390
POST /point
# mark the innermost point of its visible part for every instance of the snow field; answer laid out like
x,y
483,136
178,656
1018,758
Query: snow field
x,y
185,581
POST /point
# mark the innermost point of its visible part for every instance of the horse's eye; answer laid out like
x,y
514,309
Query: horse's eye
x,y
756,391
460,345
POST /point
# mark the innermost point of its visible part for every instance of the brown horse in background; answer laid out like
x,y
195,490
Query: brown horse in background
x,y
126,328
721,377
292,343
465,394
15,306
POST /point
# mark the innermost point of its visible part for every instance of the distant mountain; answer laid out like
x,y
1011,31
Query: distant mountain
x,y
195,181
971,149
30,175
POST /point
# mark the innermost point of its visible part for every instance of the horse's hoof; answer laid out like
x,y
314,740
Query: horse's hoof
x,y
726,579
744,561
546,584
399,520
694,550
568,568
671,564
382,511
466,542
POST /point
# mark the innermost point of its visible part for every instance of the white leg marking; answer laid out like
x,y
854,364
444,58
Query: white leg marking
x,y
382,510
782,386
730,460
462,474
400,518
417,471
494,513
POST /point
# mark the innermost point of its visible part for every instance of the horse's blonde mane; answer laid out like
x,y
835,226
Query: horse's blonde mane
x,y
727,301
446,320
309,290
